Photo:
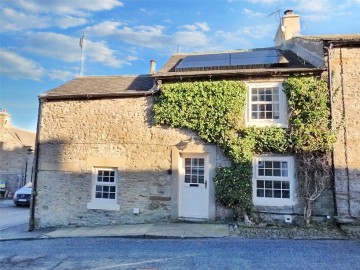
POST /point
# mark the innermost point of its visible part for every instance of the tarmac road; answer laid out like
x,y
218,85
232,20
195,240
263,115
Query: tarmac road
x,y
11,215
203,253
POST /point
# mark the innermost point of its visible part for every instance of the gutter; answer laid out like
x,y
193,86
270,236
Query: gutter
x,y
36,168
236,73
154,90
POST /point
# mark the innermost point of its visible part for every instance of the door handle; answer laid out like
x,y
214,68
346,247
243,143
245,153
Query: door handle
x,y
205,184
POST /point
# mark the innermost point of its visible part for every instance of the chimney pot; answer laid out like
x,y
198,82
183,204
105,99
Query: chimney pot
x,y
152,66
288,12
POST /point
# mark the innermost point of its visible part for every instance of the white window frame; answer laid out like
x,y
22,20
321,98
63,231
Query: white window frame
x,y
102,203
271,201
283,117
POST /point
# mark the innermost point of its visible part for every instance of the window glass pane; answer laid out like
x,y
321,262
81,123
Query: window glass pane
x,y
194,171
187,170
261,115
106,179
260,164
268,172
276,164
284,164
105,188
105,195
260,193
98,188
106,173
187,178
268,164
201,171
277,172
194,179
112,196
286,194
112,189
187,161
195,162
260,184
201,162
277,193
285,185
201,179
268,184
269,115
98,195
268,193
277,184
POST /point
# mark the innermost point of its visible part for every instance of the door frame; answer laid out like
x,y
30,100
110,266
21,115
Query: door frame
x,y
197,148
182,188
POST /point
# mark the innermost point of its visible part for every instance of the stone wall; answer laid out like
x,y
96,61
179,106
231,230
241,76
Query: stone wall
x,y
78,134
345,65
16,162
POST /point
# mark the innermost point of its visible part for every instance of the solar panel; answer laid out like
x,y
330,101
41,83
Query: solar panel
x,y
232,60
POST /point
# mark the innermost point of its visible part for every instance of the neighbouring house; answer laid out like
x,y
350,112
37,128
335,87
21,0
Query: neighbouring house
x,y
102,160
16,154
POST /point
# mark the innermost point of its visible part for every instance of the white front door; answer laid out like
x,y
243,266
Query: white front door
x,y
194,187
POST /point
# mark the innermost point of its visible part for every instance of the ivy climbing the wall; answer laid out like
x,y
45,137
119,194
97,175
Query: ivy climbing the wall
x,y
216,111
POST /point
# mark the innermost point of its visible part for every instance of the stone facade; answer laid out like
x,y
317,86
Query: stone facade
x,y
16,161
345,65
79,135
345,75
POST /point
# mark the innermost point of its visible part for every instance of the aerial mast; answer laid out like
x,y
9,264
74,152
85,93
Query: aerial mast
x,y
81,43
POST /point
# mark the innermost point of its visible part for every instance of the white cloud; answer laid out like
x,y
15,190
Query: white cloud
x,y
65,48
102,29
147,12
65,6
12,20
313,6
69,21
17,67
267,2
188,40
252,14
62,75
199,26
152,37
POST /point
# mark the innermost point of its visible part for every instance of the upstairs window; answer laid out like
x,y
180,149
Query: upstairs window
x,y
266,105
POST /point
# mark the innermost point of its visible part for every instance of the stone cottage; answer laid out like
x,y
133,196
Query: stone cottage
x,y
101,159
16,154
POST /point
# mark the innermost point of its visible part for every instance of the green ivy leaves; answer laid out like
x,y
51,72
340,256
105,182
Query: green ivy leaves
x,y
216,111
310,127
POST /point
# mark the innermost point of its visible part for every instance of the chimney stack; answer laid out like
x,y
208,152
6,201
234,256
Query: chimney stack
x,y
288,28
152,66
4,119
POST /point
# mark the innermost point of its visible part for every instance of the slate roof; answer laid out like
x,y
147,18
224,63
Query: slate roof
x,y
102,86
294,64
24,137
334,37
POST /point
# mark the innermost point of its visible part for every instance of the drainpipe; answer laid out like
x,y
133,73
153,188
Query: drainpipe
x,y
36,167
329,48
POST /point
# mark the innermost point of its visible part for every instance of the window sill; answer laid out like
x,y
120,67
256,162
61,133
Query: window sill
x,y
273,202
98,205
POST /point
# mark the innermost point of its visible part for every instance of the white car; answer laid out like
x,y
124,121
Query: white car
x,y
23,195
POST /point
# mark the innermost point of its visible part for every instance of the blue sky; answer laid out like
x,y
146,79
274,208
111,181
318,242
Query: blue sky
x,y
39,39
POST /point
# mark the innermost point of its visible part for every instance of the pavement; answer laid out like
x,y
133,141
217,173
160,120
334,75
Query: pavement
x,y
160,230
